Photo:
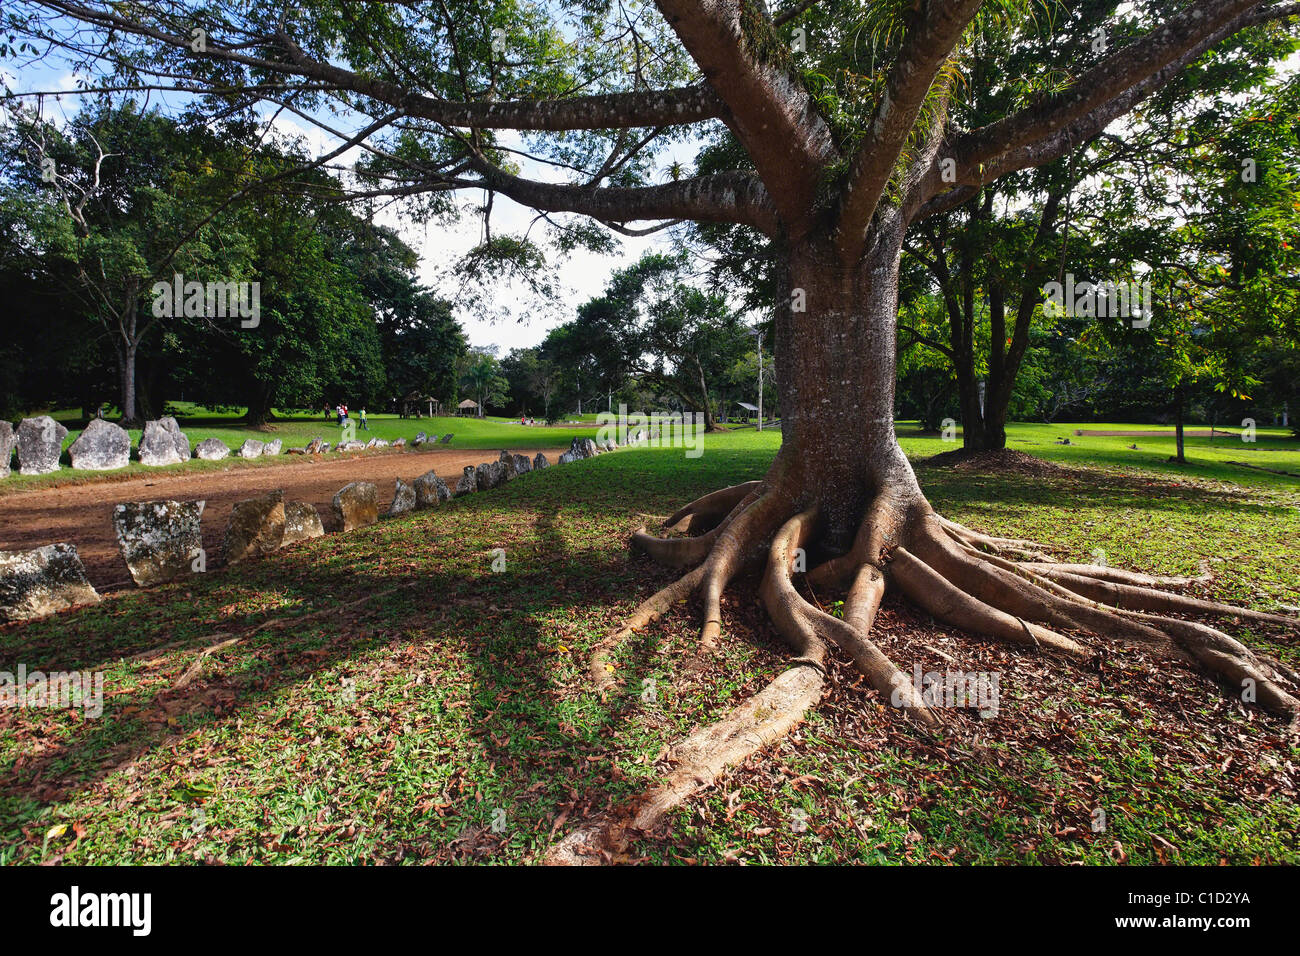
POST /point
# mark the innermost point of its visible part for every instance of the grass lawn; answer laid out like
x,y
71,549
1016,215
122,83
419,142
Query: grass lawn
x,y
393,699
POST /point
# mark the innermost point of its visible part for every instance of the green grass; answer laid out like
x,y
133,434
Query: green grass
x,y
1273,448
430,697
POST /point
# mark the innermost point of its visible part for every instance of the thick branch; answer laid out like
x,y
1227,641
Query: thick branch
x,y
931,33
724,197
767,107
1040,134
642,108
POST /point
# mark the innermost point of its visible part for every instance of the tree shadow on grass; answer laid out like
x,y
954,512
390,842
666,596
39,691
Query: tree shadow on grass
x,y
1088,489
369,586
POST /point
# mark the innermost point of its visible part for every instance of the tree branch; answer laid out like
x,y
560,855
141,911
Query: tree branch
x,y
1039,134
767,107
725,197
931,32
675,107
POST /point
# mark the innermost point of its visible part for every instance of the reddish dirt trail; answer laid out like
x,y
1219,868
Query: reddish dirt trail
x,y
81,514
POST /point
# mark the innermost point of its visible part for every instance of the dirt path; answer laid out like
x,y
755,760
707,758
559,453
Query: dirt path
x,y
81,514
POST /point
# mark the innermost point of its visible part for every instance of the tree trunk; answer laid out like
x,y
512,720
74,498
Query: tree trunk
x,y
126,356
973,437
837,386
259,412
1179,399
710,425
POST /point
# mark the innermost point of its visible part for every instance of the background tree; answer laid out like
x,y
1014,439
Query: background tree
x,y
481,377
655,326
138,198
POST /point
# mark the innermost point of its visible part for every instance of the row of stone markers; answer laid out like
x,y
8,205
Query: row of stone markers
x,y
319,446
163,540
104,446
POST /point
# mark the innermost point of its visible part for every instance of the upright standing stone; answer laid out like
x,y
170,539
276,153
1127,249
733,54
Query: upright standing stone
x,y
163,443
211,449
579,449
40,442
40,582
522,465
403,499
485,477
357,505
430,490
7,441
159,540
468,483
540,462
179,438
256,527
272,448
251,448
301,522
103,446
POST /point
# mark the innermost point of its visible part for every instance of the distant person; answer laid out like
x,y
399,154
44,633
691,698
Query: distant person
x,y
364,426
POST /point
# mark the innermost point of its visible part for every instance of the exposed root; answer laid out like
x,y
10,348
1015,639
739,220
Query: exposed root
x,y
759,721
703,514
778,593
1002,584
674,552
863,599
1009,586
745,532
1029,550
934,593
1007,589
881,525
1135,598
804,625
601,668
1051,569
1250,676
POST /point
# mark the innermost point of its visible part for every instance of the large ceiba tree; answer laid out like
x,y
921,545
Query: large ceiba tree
x,y
838,135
